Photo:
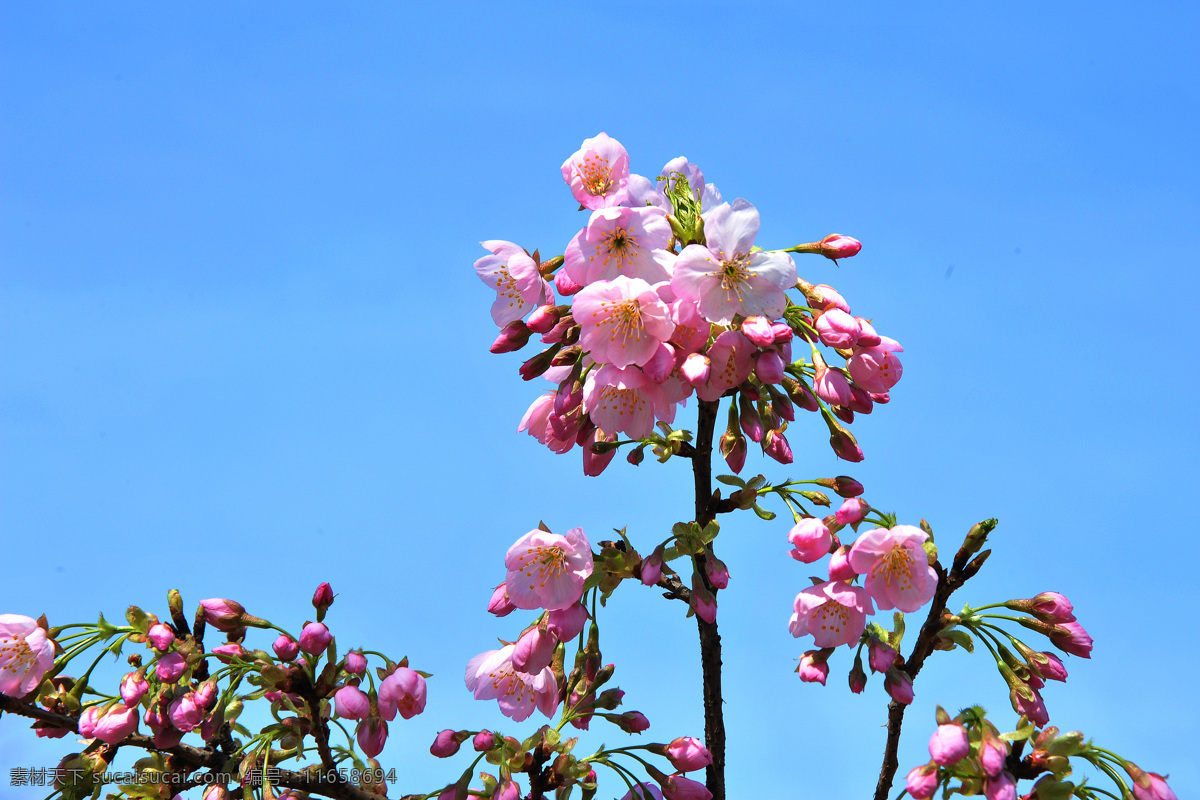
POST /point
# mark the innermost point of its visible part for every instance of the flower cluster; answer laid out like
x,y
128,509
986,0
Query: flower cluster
x,y
669,296
969,756
181,690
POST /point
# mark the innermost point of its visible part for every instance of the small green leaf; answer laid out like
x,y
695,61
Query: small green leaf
x,y
763,513
731,480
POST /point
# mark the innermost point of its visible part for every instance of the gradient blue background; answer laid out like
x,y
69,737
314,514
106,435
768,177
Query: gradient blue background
x,y
242,348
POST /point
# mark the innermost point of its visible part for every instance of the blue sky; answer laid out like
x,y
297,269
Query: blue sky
x,y
242,348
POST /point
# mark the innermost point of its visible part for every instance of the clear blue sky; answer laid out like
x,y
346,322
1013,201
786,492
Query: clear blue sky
x,y
242,348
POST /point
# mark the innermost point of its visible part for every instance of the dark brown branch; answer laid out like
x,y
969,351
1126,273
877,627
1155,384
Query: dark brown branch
x,y
710,638
960,570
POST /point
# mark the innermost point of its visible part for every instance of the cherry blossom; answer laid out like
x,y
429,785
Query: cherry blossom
x,y
491,676
26,654
621,241
623,321
896,566
598,172
876,369
514,275
724,277
834,613
547,570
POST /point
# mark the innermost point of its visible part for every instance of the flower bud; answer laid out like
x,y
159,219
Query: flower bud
x,y
824,297
687,754
776,446
814,667
867,337
652,567
170,667
838,329
534,651
564,285
858,676
538,364
844,445
733,449
285,647
567,623
315,638
922,781
800,394
322,600
696,369
810,539
483,741
759,331
836,246
133,689
544,318
161,637
226,615
356,663
116,725
445,744
716,571
852,512
949,744
372,734
880,655
768,366
899,685
839,565
500,605
630,721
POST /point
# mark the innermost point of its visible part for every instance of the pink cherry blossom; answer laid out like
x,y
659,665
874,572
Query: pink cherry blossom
x,y
514,275
724,277
491,676
537,423
834,613
26,654
949,744
598,172
691,329
731,355
403,691
87,722
622,401
547,570
810,539
896,566
876,369
621,241
622,321
1033,707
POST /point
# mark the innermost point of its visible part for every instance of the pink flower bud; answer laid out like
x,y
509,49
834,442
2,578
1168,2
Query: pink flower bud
x,y
285,647
867,336
1002,787
513,336
899,685
315,638
116,725
844,445
534,651
813,667
170,667
372,734
483,741
567,623
839,565
1072,638
161,637
206,695
992,754
830,384
1032,707
677,787
1152,786
506,790
631,721
224,615
836,246
563,283
716,572
133,689
687,754
185,712
880,655
322,597
858,676
356,663
860,401
229,651
823,297
838,329
776,446
1048,666
768,366
759,331
445,744
852,511
661,364
733,449
350,702
652,567
922,781
783,335
1052,607
594,463
87,722
696,369
810,539
847,486
949,744
543,318
500,605
703,602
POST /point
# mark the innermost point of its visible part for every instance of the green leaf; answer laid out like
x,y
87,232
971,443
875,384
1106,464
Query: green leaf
x,y
763,513
732,480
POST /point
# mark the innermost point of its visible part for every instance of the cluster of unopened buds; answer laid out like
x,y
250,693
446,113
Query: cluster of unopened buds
x,y
188,695
554,574
969,756
669,296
